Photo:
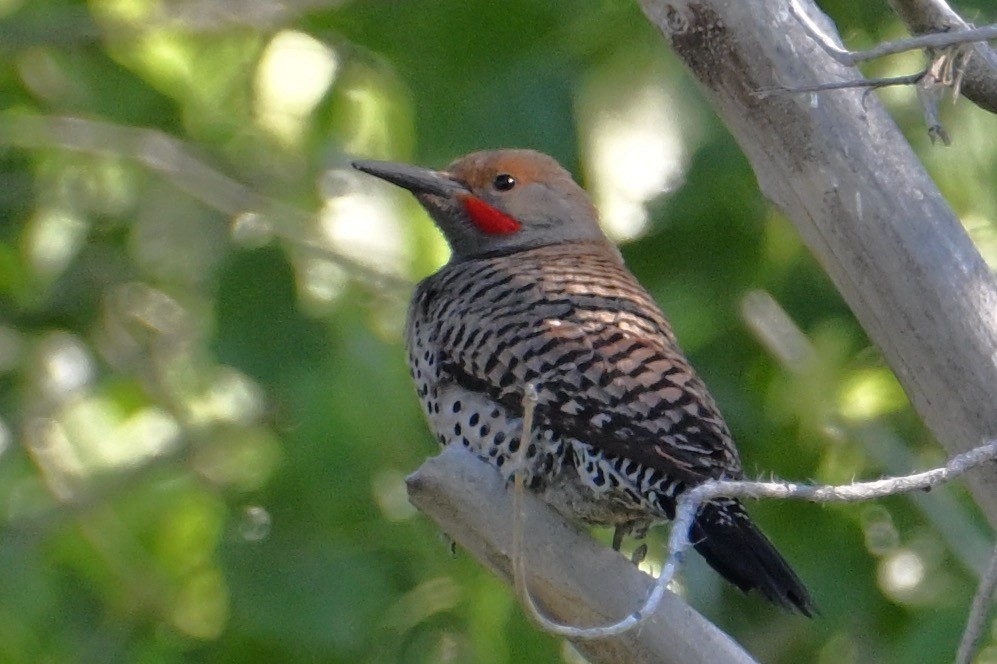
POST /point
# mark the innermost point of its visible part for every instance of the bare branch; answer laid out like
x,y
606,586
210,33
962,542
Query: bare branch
x,y
873,83
862,202
935,40
979,79
573,579
978,613
952,49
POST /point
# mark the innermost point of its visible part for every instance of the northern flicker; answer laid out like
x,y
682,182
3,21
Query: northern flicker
x,y
534,293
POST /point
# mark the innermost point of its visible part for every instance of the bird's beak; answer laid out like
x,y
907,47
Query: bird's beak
x,y
415,179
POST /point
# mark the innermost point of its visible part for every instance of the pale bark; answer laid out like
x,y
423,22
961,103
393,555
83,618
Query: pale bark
x,y
572,578
839,169
979,83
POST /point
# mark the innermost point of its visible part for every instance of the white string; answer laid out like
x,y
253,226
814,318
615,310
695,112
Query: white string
x,y
688,505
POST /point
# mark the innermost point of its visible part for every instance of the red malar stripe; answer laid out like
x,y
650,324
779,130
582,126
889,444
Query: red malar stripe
x,y
487,219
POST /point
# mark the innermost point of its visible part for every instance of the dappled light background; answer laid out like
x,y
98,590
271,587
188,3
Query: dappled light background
x,y
205,415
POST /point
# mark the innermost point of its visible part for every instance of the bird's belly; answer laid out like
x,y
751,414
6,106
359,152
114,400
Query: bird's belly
x,y
568,474
460,417
623,491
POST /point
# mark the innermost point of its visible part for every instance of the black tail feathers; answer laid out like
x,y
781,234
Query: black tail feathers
x,y
725,536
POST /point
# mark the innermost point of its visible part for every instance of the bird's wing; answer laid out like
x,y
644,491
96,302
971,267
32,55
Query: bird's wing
x,y
604,383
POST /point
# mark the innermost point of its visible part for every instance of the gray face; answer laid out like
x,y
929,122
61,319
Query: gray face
x,y
498,201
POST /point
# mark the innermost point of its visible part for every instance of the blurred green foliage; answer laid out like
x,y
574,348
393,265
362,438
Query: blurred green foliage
x,y
205,417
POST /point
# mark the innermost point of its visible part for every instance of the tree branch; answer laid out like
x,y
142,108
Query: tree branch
x,y
572,578
944,37
979,80
842,173
976,621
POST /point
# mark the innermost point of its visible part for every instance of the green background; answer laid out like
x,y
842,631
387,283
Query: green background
x,y
205,414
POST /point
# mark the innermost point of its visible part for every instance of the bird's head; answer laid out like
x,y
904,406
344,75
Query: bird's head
x,y
499,201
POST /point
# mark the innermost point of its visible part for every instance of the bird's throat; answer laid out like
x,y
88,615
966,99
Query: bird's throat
x,y
487,219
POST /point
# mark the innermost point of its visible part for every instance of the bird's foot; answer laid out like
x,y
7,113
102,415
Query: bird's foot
x,y
638,531
448,542
618,535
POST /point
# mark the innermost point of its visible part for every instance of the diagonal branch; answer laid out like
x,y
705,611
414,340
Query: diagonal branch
x,y
572,578
976,622
860,199
934,40
959,56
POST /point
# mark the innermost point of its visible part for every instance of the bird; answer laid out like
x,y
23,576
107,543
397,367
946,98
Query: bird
x,y
534,293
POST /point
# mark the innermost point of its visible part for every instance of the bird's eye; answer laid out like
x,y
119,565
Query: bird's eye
x,y
504,182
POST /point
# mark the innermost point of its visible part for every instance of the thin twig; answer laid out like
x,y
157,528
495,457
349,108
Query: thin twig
x,y
908,79
979,78
929,92
951,52
937,40
978,613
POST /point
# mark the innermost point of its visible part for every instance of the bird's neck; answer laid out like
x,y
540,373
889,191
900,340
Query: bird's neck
x,y
587,246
